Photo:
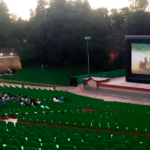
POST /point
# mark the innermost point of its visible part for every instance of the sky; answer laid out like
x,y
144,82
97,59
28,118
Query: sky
x,y
21,7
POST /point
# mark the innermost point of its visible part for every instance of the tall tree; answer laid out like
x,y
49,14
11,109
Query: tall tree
x,y
57,32
41,5
117,18
60,34
32,13
13,17
5,23
86,6
139,5
57,4
137,23
78,4
20,29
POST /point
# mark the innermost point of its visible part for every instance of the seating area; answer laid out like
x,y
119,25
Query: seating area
x,y
35,137
80,123
107,115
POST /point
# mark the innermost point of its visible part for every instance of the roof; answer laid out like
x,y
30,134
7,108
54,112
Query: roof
x,y
96,79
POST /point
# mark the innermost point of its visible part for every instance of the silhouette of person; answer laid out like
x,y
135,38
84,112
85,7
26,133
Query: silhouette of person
x,y
42,66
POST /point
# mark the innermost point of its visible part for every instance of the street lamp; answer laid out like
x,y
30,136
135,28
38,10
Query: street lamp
x,y
88,38
24,40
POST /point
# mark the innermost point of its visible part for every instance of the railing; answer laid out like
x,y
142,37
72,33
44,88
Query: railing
x,y
109,74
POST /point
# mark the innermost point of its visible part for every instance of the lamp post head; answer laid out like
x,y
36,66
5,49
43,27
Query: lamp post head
x,y
87,38
24,40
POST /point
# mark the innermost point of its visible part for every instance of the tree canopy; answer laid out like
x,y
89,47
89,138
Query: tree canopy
x,y
56,29
5,23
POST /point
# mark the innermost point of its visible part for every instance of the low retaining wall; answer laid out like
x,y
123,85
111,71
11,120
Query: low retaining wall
x,y
9,61
129,94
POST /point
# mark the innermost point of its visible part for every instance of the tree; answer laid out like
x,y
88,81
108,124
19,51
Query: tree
x,y
115,41
5,23
32,13
28,54
86,6
56,33
41,5
102,12
117,18
137,5
137,23
60,35
13,17
59,4
78,4
20,29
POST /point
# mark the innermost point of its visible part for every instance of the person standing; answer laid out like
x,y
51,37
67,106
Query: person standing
x,y
149,66
42,66
145,62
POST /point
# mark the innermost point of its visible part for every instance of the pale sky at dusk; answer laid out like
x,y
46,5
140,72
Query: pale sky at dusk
x,y
22,7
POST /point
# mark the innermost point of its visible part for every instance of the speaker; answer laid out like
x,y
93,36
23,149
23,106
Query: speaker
x,y
73,81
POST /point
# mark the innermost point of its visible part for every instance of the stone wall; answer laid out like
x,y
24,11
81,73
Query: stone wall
x,y
9,61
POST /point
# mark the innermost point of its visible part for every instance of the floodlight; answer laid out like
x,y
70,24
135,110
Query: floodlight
x,y
87,38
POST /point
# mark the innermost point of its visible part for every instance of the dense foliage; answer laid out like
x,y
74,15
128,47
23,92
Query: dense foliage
x,y
56,29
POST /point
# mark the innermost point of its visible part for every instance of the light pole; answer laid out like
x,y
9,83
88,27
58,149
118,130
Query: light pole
x,y
88,38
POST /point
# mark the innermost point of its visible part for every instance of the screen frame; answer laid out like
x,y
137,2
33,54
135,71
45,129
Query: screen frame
x,y
129,39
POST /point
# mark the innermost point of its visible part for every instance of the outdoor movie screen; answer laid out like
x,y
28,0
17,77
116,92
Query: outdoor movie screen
x,y
140,58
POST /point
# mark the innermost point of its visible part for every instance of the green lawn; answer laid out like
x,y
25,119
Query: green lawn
x,y
53,76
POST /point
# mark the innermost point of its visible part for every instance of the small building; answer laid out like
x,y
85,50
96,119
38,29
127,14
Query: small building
x,y
94,82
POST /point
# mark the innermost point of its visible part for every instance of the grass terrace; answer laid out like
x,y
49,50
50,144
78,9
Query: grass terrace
x,y
50,76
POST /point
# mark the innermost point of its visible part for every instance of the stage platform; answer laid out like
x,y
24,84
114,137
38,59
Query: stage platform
x,y
118,87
